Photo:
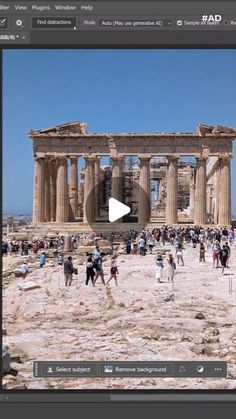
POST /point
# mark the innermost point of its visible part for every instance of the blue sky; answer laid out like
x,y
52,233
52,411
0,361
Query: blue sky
x,y
114,91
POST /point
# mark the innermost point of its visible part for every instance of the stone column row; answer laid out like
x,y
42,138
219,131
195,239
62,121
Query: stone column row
x,y
197,194
91,193
51,200
172,191
224,191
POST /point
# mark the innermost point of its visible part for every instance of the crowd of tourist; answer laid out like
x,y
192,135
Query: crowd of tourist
x,y
26,247
215,240
176,235
218,240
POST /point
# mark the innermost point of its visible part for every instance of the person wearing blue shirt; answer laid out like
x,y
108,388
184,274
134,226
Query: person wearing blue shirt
x,y
42,259
96,253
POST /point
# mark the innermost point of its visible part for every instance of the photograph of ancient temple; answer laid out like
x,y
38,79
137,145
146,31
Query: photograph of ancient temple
x,y
119,219
196,191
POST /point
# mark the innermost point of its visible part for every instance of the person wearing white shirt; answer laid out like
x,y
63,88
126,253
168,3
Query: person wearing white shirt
x,y
141,246
24,269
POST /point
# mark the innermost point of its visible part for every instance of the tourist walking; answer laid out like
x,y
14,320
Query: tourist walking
x,y
4,248
163,236
68,271
202,252
231,237
24,269
159,268
171,266
15,249
180,254
35,248
114,271
96,253
150,244
98,271
215,253
134,248
60,259
42,259
224,234
223,255
194,240
128,247
142,246
24,248
90,273
229,254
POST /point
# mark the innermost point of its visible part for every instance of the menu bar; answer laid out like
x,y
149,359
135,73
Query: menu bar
x,y
116,7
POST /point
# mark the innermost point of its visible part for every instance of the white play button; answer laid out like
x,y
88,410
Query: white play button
x,y
117,209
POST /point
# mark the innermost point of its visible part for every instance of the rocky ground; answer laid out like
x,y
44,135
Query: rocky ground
x,y
192,319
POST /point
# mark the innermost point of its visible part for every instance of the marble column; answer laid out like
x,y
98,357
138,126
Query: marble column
x,y
192,194
47,192
67,244
74,187
224,194
62,191
53,186
209,206
97,180
172,191
39,191
80,198
217,187
89,192
200,193
116,181
144,191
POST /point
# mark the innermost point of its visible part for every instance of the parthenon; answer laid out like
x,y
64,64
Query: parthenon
x,y
59,198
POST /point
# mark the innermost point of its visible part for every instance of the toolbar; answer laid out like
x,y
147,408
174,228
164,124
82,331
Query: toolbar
x,y
133,369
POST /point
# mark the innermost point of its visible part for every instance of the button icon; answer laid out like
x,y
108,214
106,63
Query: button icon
x,y
108,369
117,209
103,207
3,22
200,369
19,22
182,369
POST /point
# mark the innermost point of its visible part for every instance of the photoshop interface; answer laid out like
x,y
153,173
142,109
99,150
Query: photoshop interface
x,y
119,203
